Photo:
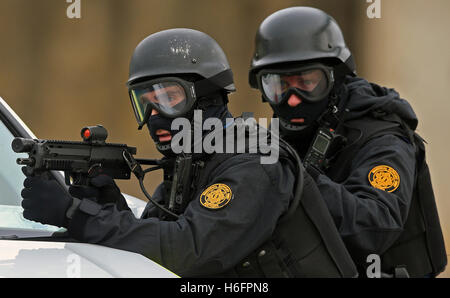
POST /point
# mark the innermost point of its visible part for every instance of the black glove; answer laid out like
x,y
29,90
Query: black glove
x,y
45,201
103,190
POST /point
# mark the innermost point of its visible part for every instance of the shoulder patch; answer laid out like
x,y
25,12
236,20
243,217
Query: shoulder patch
x,y
385,178
216,196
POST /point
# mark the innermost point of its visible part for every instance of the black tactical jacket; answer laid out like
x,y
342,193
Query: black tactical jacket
x,y
202,241
369,186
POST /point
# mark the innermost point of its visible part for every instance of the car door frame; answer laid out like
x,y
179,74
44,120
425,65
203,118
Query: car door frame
x,y
19,129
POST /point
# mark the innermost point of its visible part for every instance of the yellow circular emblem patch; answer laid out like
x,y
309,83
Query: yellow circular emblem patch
x,y
216,196
384,178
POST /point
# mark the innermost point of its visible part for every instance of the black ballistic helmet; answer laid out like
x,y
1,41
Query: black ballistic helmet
x,y
298,34
180,51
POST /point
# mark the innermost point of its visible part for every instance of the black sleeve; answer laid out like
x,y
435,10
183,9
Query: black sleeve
x,y
202,241
371,216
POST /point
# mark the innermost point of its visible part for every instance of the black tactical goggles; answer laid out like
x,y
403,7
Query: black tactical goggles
x,y
311,83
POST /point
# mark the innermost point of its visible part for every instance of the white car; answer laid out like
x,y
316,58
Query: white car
x,y
31,249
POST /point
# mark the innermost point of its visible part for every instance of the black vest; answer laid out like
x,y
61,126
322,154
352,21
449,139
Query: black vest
x,y
305,244
420,248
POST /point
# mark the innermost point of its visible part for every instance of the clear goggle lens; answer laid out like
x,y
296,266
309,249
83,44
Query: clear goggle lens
x,y
312,85
168,98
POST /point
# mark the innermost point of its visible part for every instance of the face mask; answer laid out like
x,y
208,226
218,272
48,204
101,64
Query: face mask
x,y
156,122
159,121
306,110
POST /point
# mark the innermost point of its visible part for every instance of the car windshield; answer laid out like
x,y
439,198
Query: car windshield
x,y
11,184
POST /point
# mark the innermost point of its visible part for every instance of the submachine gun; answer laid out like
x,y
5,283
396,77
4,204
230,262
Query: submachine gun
x,y
81,161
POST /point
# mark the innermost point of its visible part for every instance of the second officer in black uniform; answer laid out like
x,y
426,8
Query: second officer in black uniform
x,y
355,138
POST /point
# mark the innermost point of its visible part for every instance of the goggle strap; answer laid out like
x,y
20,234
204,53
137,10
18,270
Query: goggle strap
x,y
215,83
147,113
217,101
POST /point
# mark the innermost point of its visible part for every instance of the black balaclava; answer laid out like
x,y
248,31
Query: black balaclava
x,y
158,121
309,111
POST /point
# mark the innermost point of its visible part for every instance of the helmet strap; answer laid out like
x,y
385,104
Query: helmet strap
x,y
204,102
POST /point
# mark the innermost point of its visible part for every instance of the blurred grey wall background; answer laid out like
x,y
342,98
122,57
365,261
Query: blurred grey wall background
x,y
60,74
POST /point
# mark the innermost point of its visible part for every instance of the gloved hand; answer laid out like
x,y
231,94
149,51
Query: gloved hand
x,y
103,190
45,201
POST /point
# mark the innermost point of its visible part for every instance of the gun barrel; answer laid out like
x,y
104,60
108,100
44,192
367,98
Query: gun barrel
x,y
20,145
26,161
79,160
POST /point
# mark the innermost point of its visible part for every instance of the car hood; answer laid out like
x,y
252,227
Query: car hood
x,y
59,259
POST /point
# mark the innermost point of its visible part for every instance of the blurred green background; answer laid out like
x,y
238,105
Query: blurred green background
x,y
61,74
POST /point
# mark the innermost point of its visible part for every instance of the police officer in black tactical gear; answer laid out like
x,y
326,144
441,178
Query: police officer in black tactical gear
x,y
355,138
232,215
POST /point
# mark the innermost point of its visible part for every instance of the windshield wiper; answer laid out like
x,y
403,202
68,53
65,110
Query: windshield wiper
x,y
9,237
59,236
18,233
